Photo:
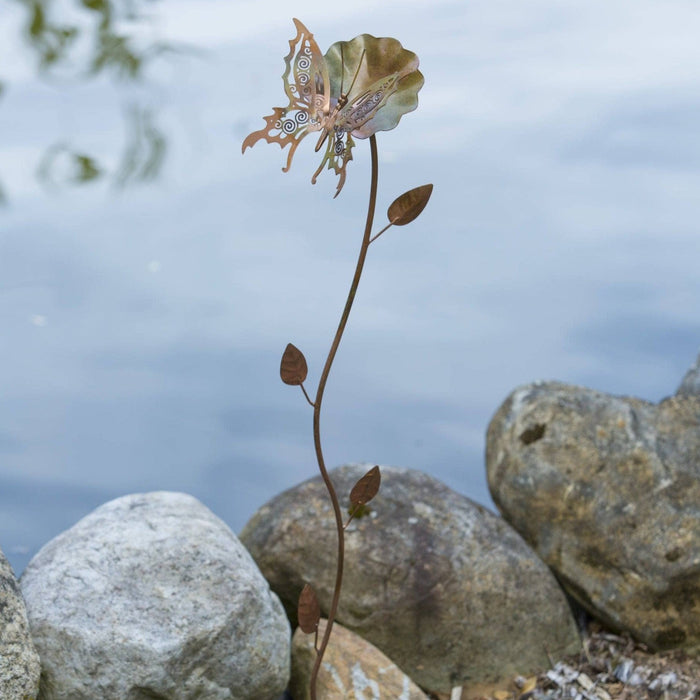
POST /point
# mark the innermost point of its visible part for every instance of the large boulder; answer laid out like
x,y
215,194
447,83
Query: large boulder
x,y
690,386
606,489
447,590
19,661
351,668
152,596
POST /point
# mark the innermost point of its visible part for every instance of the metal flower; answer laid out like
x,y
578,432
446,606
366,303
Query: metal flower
x,y
367,63
358,88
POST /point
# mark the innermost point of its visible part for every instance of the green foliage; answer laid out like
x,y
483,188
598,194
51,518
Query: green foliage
x,y
50,41
359,511
145,151
53,42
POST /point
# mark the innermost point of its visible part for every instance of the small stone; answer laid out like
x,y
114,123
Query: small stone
x,y
528,685
635,679
351,668
567,671
584,681
556,677
664,681
623,671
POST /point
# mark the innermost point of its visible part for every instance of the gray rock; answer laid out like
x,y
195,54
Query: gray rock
x,y
690,386
607,491
152,596
19,661
447,590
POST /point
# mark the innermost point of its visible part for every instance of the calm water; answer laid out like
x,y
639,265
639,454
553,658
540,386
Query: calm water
x,y
151,275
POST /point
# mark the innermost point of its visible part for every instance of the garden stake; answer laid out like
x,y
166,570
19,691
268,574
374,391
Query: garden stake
x,y
383,82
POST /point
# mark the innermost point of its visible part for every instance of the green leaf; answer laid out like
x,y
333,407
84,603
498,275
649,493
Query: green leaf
x,y
86,168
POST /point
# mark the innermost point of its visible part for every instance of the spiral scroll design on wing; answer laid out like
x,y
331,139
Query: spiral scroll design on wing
x,y
307,85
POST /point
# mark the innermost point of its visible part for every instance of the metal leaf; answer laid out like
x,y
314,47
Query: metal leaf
x,y
365,60
293,367
409,205
308,610
366,488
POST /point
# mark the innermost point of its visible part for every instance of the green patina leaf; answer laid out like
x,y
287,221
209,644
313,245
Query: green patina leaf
x,y
367,60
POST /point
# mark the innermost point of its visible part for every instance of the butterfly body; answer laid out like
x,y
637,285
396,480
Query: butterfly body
x,y
312,107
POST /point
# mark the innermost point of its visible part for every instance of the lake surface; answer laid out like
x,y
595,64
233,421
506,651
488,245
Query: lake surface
x,y
151,275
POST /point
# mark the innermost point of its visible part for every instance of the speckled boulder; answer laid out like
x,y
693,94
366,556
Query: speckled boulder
x,y
690,386
19,662
351,668
447,590
152,596
606,489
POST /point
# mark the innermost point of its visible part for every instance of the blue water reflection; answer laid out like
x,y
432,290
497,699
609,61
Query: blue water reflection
x,y
143,326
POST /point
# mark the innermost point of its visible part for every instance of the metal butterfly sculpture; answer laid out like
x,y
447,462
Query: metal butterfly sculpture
x,y
318,100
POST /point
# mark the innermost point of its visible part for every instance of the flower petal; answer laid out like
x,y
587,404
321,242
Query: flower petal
x,y
365,60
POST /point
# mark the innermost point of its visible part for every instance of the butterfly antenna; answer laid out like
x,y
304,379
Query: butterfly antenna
x,y
342,69
359,65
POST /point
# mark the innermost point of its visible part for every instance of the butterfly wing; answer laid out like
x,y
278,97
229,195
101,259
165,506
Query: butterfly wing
x,y
356,112
338,155
362,108
307,86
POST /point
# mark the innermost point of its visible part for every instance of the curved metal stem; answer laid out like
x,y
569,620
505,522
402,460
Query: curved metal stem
x,y
317,412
